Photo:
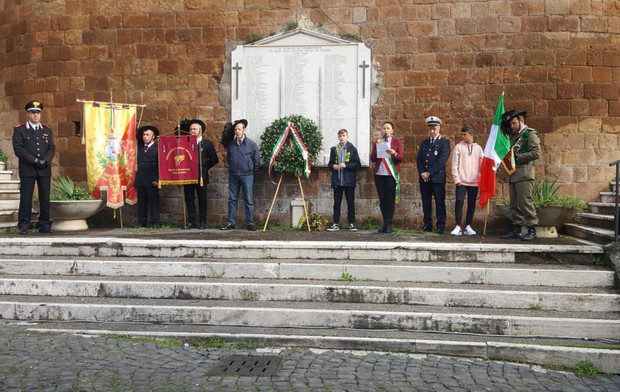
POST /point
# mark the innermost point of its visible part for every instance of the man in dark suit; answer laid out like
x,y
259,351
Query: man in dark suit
x,y
432,158
207,159
147,176
34,146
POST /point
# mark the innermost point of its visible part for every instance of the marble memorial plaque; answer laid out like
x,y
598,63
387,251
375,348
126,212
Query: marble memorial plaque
x,y
320,77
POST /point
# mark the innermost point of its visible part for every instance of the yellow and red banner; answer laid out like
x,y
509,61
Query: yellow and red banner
x,y
110,137
178,160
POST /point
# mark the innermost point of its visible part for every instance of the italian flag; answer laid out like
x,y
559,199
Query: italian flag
x,y
496,149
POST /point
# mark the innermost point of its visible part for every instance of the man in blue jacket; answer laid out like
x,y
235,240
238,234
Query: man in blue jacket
x,y
243,161
432,158
344,161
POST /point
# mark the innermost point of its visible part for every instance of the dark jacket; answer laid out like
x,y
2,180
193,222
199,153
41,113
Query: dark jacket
x,y
209,158
243,159
30,145
148,168
396,145
352,162
432,158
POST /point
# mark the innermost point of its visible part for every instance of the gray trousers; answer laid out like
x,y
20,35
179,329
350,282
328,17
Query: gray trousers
x,y
522,203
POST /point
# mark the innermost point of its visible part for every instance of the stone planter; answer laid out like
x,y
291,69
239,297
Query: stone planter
x,y
2,166
70,215
549,218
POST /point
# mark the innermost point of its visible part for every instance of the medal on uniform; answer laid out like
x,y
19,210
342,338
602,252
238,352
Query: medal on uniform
x,y
435,152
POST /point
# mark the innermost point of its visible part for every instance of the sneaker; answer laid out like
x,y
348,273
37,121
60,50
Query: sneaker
x,y
333,227
251,227
469,231
457,230
228,227
352,227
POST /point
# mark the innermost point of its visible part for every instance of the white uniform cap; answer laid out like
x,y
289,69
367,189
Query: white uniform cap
x,y
432,120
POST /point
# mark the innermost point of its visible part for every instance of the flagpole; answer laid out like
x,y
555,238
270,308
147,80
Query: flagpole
x,y
486,217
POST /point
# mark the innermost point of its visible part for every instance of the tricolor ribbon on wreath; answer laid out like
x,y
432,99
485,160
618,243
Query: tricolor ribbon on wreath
x,y
290,129
391,168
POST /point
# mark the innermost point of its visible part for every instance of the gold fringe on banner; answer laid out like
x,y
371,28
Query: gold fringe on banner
x,y
179,182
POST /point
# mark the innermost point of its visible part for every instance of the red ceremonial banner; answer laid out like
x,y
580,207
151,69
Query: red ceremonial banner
x,y
178,160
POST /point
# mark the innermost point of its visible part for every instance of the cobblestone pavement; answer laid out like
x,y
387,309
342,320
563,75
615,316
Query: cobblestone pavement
x,y
32,362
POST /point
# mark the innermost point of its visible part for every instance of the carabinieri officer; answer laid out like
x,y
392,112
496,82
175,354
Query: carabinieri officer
x,y
34,146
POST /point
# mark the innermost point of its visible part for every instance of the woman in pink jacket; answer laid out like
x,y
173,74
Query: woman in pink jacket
x,y
466,159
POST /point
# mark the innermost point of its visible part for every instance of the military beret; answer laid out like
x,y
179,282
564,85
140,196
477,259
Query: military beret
x,y
34,106
432,120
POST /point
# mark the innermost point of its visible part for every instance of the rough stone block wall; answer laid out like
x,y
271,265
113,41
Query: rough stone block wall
x,y
557,59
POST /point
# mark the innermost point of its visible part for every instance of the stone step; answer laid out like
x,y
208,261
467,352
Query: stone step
x,y
8,225
6,175
596,220
599,207
9,185
9,194
608,197
316,250
499,297
514,322
547,352
9,205
388,271
590,233
8,217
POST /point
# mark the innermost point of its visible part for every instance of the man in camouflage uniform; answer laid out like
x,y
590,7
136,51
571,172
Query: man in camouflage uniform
x,y
526,146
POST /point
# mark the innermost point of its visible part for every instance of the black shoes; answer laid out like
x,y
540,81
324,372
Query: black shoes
x,y
251,228
530,235
514,233
428,229
439,230
228,227
201,226
23,231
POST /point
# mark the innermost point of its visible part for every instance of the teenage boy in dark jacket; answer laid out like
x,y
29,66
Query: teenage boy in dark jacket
x,y
344,161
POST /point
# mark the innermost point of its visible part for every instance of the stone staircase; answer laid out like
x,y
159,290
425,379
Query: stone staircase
x,y
598,225
467,299
9,199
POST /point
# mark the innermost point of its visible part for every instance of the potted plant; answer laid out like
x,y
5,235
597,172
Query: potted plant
x,y
3,160
552,209
71,206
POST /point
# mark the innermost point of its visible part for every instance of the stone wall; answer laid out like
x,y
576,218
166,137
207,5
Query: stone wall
x,y
557,59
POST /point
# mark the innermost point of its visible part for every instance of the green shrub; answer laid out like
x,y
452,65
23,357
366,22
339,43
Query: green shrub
x,y
250,39
63,188
3,157
545,194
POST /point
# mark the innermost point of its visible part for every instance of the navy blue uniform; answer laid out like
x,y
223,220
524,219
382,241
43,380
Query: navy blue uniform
x,y
432,158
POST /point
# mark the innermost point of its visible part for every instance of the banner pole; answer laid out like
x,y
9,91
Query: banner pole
x,y
184,209
275,196
486,216
303,199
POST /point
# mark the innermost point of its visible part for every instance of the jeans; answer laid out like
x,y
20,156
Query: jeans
x,y
349,193
472,194
235,183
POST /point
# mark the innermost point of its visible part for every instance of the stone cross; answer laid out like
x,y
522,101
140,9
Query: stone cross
x,y
363,66
237,68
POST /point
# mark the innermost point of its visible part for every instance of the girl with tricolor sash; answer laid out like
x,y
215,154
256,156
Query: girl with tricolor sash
x,y
387,154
